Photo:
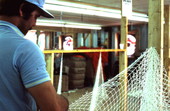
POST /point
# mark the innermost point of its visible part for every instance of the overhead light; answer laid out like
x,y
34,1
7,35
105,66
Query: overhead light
x,y
55,23
139,17
91,10
75,5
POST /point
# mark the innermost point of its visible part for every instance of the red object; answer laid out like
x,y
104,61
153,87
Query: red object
x,y
95,57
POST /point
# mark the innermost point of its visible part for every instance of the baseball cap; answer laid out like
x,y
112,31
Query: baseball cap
x,y
40,4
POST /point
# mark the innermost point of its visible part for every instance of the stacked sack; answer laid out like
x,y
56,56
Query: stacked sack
x,y
77,69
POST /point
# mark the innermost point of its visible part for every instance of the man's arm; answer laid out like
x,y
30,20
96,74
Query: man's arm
x,y
47,99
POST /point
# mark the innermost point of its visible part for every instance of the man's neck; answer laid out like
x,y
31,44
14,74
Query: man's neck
x,y
14,19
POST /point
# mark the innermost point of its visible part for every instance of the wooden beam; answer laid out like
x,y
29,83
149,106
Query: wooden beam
x,y
123,40
123,58
91,40
123,62
83,51
75,36
50,65
167,42
155,33
60,29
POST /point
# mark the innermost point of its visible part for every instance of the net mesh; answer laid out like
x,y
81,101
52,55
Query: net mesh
x,y
145,88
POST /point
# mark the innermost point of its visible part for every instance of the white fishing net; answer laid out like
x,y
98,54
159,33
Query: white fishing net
x,y
145,88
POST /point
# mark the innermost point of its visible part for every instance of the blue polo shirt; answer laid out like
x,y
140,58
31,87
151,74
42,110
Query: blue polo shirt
x,y
22,66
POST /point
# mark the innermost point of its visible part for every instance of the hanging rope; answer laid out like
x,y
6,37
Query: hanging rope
x,y
60,76
98,81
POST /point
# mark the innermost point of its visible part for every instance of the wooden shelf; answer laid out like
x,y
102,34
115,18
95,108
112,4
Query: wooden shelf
x,y
83,50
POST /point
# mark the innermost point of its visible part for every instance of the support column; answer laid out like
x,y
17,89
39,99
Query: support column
x,y
94,37
123,59
155,33
123,62
167,41
50,65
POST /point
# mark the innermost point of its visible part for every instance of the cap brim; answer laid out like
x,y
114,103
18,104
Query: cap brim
x,y
45,13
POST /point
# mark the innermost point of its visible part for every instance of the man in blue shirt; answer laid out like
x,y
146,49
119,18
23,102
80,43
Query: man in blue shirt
x,y
24,81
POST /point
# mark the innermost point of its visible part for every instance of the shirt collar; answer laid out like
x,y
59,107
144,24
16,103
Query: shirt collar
x,y
12,26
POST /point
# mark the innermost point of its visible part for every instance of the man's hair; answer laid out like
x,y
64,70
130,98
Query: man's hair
x,y
11,8
27,9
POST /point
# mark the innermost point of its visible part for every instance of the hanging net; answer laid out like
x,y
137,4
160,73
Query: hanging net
x,y
143,86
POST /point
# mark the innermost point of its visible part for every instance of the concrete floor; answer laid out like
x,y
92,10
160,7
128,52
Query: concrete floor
x,y
73,95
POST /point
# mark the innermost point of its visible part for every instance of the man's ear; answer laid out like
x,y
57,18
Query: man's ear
x,y
20,10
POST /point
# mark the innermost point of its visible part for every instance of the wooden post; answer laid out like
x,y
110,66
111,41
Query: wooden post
x,y
123,40
91,40
167,42
123,62
155,33
38,34
75,37
50,65
123,57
